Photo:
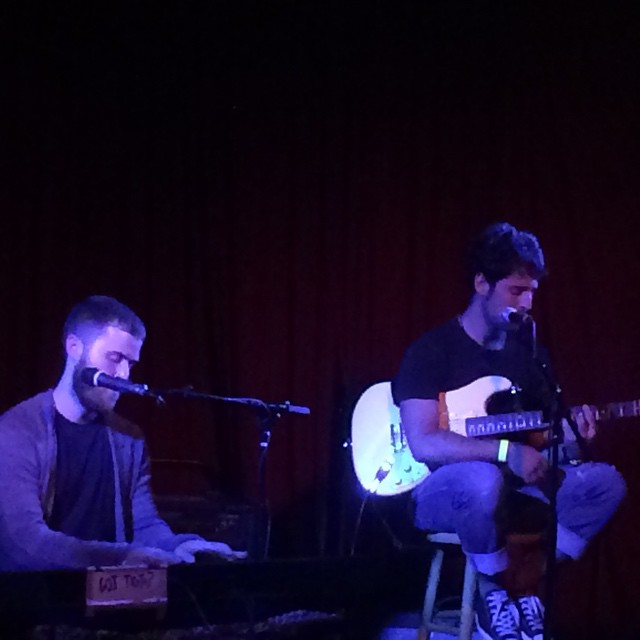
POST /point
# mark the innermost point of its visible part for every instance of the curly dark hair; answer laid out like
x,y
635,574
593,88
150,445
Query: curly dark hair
x,y
98,312
501,250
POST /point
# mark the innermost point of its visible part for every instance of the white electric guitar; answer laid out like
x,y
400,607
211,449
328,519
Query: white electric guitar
x,y
382,460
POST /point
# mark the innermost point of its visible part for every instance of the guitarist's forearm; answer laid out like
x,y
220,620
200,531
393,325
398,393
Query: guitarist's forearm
x,y
444,447
436,446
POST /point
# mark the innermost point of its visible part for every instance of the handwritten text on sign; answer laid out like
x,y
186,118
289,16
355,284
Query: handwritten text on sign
x,y
126,587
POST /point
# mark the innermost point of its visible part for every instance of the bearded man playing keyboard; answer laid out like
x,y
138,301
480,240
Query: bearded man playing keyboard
x,y
75,476
477,485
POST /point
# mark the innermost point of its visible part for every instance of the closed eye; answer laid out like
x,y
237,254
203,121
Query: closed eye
x,y
117,357
518,291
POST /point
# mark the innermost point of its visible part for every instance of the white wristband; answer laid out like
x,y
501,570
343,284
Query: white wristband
x,y
503,449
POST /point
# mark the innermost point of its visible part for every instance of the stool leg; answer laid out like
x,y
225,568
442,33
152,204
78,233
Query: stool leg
x,y
466,607
431,592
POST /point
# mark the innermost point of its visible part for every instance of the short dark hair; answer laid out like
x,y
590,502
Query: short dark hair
x,y
98,312
501,250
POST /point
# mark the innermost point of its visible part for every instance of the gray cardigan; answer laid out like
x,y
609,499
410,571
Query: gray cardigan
x,y
27,484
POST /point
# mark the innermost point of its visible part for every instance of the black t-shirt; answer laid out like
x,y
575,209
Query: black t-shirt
x,y
84,503
446,358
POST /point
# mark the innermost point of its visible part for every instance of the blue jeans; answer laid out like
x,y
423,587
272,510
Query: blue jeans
x,y
469,498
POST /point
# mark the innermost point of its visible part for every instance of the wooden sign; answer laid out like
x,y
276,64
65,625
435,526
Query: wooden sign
x,y
125,587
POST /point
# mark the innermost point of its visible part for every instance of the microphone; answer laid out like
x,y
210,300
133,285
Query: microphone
x,y
287,407
277,407
96,378
513,316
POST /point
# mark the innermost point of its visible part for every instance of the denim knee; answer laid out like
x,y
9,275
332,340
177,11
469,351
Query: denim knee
x,y
599,482
616,485
458,495
591,496
479,492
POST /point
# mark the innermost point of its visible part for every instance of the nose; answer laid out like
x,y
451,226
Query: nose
x,y
123,369
525,302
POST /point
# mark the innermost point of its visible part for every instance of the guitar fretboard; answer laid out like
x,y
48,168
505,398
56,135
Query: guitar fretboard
x,y
612,410
504,423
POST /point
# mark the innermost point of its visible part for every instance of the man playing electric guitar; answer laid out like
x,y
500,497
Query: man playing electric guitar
x,y
471,480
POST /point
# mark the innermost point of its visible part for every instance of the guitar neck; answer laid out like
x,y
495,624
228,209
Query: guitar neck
x,y
504,423
612,410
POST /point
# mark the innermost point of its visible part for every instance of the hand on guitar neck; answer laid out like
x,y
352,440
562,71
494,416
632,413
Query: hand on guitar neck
x,y
585,421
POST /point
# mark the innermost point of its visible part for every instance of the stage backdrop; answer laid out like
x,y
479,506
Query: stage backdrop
x,y
283,191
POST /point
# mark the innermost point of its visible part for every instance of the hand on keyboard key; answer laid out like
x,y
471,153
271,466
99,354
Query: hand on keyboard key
x,y
187,550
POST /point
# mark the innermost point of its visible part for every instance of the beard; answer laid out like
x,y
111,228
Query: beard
x,y
497,326
91,398
496,322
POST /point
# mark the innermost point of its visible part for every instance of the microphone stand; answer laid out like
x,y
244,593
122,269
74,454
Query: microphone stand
x,y
554,431
267,413
557,413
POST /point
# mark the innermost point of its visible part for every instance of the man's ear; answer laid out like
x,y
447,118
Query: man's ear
x,y
74,347
481,285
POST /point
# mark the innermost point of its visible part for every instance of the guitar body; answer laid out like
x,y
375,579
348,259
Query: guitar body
x,y
470,401
382,460
488,396
378,445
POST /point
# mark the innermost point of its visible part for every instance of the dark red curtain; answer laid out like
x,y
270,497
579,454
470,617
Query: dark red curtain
x,y
284,191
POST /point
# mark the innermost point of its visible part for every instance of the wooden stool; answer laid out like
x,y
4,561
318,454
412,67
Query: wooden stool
x,y
464,628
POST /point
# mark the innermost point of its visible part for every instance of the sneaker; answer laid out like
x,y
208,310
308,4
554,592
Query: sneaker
x,y
497,617
531,617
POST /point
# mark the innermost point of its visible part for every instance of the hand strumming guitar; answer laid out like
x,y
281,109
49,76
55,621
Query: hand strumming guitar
x,y
526,462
